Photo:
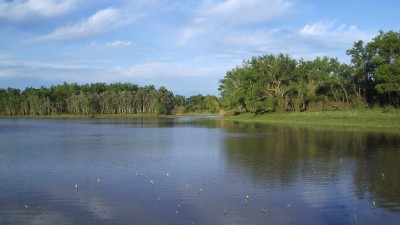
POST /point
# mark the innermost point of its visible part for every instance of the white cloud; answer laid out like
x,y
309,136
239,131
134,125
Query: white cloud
x,y
158,69
114,44
248,11
24,10
186,78
317,29
332,36
231,14
19,70
189,77
100,22
189,33
118,44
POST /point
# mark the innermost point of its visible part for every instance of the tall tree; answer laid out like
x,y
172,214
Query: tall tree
x,y
361,61
260,85
385,51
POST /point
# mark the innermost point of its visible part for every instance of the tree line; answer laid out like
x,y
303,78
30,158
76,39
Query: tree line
x,y
267,83
280,83
100,98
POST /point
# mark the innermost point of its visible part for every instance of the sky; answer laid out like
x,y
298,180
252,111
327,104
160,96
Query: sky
x,y
185,46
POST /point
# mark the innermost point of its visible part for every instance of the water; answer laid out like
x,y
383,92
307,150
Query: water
x,y
194,171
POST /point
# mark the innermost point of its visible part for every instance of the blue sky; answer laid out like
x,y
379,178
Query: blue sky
x,y
186,46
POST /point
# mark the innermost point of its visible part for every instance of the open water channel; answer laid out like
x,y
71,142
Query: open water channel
x,y
195,171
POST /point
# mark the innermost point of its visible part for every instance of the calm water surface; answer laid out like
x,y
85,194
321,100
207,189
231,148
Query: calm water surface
x,y
194,171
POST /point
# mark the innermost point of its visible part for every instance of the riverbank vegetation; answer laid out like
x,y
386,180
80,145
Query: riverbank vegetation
x,y
367,118
263,84
101,99
279,83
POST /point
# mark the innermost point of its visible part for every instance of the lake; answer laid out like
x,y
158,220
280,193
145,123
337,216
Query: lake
x,y
195,171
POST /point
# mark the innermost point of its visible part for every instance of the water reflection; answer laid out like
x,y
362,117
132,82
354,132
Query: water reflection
x,y
377,176
279,156
297,175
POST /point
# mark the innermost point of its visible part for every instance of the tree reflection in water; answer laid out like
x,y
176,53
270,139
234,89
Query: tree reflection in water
x,y
279,156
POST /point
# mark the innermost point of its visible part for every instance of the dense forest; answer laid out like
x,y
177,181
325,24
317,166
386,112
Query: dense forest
x,y
262,84
100,98
280,83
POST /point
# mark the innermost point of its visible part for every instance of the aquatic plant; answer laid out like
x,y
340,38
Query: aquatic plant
x,y
265,212
201,190
355,218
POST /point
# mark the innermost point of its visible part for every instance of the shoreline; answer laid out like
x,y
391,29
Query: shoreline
x,y
106,116
369,119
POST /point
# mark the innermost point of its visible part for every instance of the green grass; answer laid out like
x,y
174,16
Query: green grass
x,y
371,119
374,118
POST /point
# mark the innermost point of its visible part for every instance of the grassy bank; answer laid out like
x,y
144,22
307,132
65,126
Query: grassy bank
x,y
375,118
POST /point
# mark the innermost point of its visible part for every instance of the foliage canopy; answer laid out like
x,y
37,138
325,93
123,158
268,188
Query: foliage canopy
x,y
281,83
261,84
97,98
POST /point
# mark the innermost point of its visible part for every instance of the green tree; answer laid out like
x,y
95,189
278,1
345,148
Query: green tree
x,y
212,103
196,103
179,104
361,62
260,85
234,86
385,51
165,101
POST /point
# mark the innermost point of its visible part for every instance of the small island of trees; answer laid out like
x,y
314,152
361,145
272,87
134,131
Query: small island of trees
x,y
268,83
